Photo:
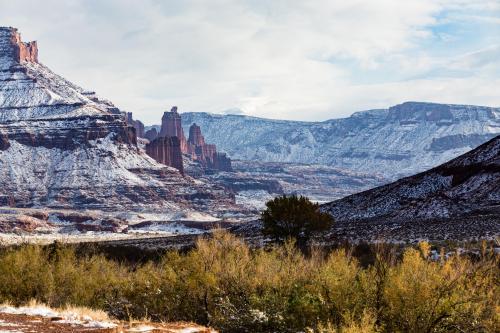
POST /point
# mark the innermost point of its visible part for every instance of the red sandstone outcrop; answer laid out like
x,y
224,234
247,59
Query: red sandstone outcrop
x,y
137,124
24,51
171,126
222,162
195,136
166,150
206,154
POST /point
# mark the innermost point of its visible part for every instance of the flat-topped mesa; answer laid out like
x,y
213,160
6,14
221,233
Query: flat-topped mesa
x,y
13,49
171,126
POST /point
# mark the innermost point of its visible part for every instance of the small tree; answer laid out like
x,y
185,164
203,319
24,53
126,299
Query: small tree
x,y
294,217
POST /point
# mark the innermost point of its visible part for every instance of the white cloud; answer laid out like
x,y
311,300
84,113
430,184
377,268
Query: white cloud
x,y
303,60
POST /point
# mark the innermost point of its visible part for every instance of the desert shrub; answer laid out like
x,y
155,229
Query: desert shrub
x,y
425,296
227,285
25,275
294,217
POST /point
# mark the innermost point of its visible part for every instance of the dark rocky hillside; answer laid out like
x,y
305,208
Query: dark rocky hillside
x,y
461,196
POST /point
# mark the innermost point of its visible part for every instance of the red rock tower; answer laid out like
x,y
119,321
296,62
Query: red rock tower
x,y
171,126
195,136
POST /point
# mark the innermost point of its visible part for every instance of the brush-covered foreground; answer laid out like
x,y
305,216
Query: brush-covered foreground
x,y
225,284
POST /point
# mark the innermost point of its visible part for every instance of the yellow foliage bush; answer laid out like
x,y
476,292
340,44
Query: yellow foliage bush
x,y
225,284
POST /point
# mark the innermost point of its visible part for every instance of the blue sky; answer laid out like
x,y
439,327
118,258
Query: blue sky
x,y
304,60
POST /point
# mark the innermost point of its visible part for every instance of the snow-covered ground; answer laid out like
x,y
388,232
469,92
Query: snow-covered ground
x,y
43,226
70,317
42,319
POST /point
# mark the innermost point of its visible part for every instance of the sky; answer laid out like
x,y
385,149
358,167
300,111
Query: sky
x,y
302,60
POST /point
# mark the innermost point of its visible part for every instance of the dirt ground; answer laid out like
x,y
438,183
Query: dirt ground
x,y
14,323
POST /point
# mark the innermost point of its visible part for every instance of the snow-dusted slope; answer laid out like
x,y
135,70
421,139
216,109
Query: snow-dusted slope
x,y
399,141
468,185
62,146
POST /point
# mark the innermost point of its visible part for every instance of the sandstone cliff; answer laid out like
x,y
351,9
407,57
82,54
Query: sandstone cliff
x,y
166,150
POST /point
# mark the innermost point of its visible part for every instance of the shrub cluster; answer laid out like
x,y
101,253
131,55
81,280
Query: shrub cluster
x,y
294,217
225,284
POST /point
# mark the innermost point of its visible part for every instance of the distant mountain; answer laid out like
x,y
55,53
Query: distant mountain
x,y
395,142
63,147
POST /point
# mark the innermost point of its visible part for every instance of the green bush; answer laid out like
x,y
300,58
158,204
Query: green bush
x,y
294,217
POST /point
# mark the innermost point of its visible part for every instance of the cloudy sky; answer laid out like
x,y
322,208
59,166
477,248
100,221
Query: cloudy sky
x,y
295,59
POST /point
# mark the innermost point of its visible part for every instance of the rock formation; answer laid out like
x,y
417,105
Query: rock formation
x,y
151,134
195,147
171,125
195,136
206,154
166,150
17,50
137,124
222,162
64,147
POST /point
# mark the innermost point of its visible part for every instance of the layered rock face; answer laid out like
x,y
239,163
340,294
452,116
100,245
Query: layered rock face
x,y
205,153
395,142
166,150
63,147
222,162
168,146
16,50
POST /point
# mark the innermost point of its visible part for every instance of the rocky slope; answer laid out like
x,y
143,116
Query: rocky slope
x,y
460,196
395,142
63,147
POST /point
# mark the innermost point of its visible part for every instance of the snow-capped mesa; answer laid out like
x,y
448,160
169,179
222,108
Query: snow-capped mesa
x,y
63,147
395,142
458,199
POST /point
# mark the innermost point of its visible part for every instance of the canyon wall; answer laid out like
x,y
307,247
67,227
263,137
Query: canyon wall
x,y
166,150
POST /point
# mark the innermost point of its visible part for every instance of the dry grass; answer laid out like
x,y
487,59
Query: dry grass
x,y
84,313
